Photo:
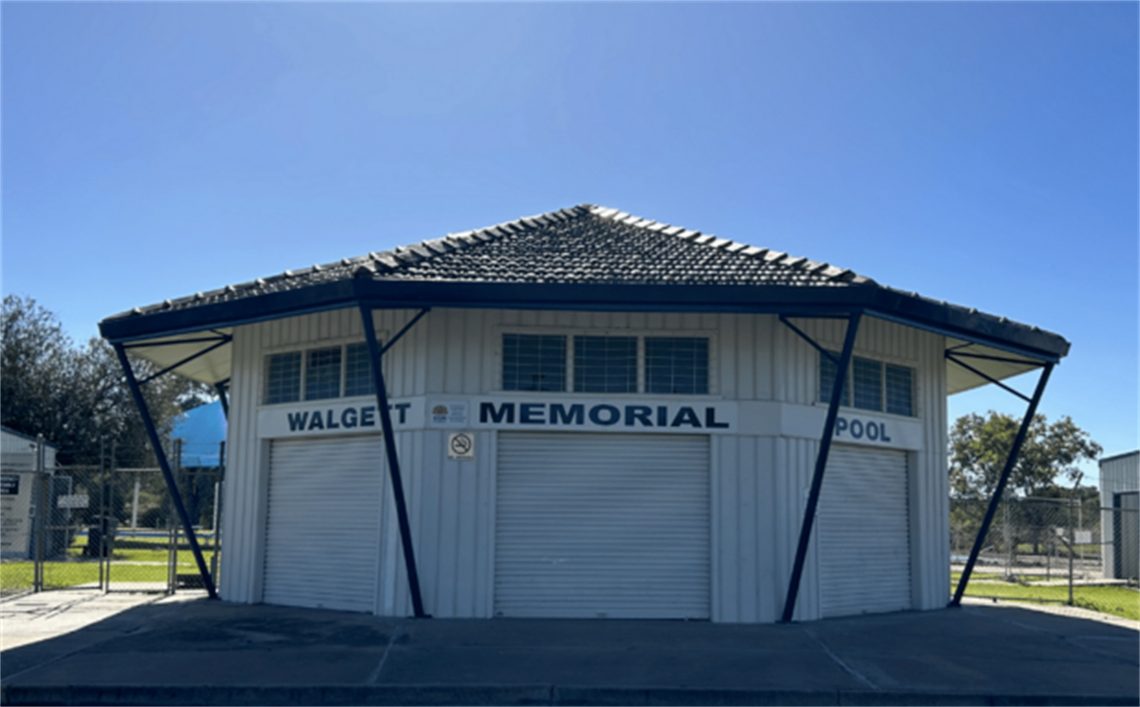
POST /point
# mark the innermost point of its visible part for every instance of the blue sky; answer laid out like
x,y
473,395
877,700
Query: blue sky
x,y
984,154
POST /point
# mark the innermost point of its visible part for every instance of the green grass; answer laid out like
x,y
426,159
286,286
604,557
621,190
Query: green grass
x,y
134,560
1108,599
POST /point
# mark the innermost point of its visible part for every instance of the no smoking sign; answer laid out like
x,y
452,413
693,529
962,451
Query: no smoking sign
x,y
461,446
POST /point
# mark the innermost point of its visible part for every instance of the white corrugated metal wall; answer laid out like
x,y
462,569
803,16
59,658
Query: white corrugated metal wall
x,y
756,512
1118,473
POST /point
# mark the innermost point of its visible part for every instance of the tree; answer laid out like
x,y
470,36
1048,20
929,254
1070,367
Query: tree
x,y
77,396
980,446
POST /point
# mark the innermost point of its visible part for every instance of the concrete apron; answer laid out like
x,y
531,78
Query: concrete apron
x,y
188,650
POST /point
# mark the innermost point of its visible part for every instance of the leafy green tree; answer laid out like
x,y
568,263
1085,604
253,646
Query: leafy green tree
x,y
77,396
979,447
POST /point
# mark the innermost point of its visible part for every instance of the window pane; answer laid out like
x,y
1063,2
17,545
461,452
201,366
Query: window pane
x,y
534,362
605,364
867,380
283,378
827,372
358,379
322,374
677,365
900,390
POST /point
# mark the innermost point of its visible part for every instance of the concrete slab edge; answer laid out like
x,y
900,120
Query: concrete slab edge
x,y
509,695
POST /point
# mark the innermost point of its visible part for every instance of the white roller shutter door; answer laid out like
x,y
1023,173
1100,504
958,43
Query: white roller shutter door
x,y
864,532
602,525
322,536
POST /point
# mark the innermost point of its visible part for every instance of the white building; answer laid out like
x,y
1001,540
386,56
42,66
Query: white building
x,y
1120,490
600,416
21,456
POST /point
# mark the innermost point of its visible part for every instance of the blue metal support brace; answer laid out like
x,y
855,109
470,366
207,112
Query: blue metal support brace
x,y
952,357
1005,474
820,466
171,484
188,359
393,458
805,337
400,334
221,390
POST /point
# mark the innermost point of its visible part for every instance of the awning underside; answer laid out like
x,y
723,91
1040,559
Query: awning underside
x,y
995,363
206,357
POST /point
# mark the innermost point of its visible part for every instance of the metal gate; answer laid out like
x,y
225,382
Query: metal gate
x,y
104,528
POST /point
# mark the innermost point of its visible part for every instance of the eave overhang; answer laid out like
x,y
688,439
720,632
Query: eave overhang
x,y
873,300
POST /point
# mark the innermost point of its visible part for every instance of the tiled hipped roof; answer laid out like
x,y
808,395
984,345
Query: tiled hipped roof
x,y
580,245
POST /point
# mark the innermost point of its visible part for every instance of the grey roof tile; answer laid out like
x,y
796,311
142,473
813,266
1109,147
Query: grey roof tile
x,y
581,244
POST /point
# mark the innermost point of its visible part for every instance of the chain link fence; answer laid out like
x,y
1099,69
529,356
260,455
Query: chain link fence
x,y
105,528
1043,549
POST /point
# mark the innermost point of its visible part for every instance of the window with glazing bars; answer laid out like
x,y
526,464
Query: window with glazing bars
x,y
900,390
876,385
322,374
867,382
358,378
283,378
677,365
534,362
605,364
828,370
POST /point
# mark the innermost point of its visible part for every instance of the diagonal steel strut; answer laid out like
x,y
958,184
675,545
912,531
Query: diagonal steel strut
x,y
375,353
1005,474
820,465
171,483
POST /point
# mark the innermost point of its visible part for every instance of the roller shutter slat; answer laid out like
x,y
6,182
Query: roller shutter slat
x,y
610,525
322,535
864,532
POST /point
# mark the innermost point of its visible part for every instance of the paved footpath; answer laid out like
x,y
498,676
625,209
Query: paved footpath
x,y
83,648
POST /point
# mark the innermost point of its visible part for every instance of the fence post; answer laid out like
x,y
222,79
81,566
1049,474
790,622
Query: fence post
x,y
217,510
41,513
1072,536
172,560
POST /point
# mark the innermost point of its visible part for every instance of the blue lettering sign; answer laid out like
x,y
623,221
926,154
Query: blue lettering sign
x,y
316,423
874,431
532,413
330,423
710,418
612,413
487,412
297,421
574,416
368,416
686,416
348,418
638,413
402,408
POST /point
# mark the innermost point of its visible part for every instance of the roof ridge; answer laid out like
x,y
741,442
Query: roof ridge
x,y
829,272
392,260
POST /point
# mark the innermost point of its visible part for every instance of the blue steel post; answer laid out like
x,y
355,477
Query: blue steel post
x,y
393,461
820,465
175,495
221,390
1005,473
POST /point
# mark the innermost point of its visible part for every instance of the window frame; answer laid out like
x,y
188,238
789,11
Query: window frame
x,y
639,333
847,400
343,343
